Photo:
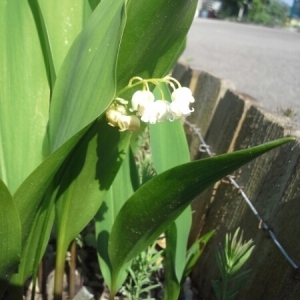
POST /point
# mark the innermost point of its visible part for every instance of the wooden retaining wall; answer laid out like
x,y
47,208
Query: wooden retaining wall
x,y
230,121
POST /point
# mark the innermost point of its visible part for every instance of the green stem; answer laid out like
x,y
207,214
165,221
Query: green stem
x,y
113,287
128,87
112,292
167,79
72,270
225,285
59,271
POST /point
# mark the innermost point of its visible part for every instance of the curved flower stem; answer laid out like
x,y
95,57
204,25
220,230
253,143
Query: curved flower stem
x,y
160,90
133,79
167,79
170,79
128,87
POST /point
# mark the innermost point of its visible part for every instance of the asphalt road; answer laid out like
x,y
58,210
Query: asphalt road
x,y
262,62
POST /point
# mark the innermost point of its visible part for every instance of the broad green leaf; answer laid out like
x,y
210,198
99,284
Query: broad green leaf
x,y
119,192
37,215
64,20
29,195
167,140
172,286
36,184
134,173
85,84
36,210
93,4
24,94
153,37
169,149
87,177
44,40
153,207
36,243
10,236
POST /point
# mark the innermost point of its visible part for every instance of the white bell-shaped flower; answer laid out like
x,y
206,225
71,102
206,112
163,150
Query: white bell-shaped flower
x,y
183,93
162,108
180,108
157,111
140,100
149,114
181,99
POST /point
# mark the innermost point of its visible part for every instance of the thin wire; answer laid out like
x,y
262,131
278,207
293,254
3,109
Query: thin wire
x,y
262,224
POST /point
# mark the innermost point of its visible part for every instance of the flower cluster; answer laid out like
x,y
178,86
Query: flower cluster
x,y
145,106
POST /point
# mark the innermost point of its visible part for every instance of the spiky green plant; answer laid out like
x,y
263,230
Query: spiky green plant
x,y
230,258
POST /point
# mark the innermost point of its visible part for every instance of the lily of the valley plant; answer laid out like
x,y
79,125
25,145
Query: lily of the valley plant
x,y
76,77
149,109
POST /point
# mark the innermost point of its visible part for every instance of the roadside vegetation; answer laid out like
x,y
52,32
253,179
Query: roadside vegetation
x,y
266,12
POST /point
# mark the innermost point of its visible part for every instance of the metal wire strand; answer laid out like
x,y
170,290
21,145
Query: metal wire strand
x,y
263,225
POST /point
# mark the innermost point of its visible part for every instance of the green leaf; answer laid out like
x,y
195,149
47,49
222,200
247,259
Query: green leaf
x,y
24,94
86,83
44,40
87,177
195,251
172,286
10,236
217,289
29,195
37,211
93,4
152,38
36,243
64,21
161,200
119,192
167,139
134,174
169,149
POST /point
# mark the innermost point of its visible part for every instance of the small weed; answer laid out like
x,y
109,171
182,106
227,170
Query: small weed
x,y
229,261
141,274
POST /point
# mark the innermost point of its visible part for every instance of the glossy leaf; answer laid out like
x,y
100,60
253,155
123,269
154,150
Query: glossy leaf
x,y
134,173
119,192
24,94
87,177
167,139
64,20
172,286
44,41
37,183
152,37
36,243
36,210
161,200
29,195
169,149
10,236
85,84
